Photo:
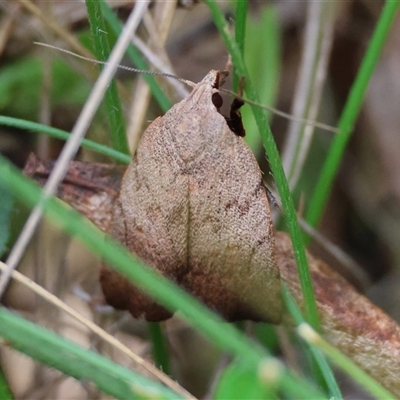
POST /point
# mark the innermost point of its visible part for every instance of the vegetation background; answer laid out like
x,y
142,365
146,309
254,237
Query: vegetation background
x,y
362,216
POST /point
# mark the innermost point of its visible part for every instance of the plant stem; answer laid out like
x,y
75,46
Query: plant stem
x,y
240,34
101,47
160,347
350,113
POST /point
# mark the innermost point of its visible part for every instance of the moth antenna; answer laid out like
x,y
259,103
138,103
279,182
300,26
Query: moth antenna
x,y
321,125
193,85
124,67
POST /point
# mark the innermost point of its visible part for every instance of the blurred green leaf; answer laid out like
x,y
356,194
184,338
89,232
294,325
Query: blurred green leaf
x,y
266,335
20,86
6,202
238,382
263,64
5,392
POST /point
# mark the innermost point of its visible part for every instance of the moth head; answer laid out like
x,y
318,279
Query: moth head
x,y
234,120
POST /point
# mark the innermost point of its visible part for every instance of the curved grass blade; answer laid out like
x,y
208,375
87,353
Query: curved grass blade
x,y
60,134
101,47
360,376
316,356
73,360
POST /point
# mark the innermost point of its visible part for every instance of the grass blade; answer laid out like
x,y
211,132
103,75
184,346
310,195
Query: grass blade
x,y
350,113
160,347
6,203
5,391
101,47
240,35
73,360
361,377
264,71
63,135
319,361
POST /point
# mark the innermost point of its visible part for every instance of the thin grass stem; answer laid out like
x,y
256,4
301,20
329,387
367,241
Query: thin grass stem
x,y
101,46
350,113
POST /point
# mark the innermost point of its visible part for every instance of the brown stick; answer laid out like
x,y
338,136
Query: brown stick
x,y
349,320
90,188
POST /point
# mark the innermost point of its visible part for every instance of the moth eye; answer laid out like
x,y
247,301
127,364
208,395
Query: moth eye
x,y
217,100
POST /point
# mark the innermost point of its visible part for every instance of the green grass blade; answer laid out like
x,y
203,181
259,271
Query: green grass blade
x,y
160,347
162,290
73,360
240,35
344,363
238,382
320,362
264,71
5,391
6,203
63,135
350,113
136,58
101,47
276,167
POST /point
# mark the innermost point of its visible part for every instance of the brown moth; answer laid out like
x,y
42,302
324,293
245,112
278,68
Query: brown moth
x,y
192,205
349,320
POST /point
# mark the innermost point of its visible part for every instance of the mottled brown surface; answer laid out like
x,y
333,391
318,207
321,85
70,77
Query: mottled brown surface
x,y
192,205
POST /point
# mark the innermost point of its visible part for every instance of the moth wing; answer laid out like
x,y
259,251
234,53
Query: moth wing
x,y
231,254
153,205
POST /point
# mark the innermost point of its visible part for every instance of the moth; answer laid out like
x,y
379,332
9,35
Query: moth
x,y
193,206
